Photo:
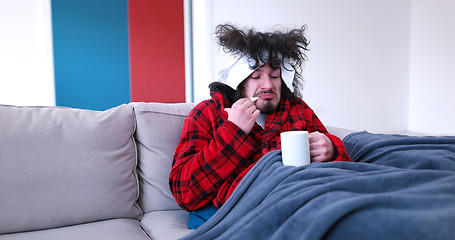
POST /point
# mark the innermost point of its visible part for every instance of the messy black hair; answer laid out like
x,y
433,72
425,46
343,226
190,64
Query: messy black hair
x,y
271,47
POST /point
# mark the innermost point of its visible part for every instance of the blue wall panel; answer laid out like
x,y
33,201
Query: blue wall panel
x,y
91,58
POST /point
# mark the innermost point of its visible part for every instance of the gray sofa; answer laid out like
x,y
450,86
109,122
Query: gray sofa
x,y
69,173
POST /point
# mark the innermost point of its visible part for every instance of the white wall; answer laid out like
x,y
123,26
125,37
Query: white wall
x,y
379,65
357,75
26,62
432,86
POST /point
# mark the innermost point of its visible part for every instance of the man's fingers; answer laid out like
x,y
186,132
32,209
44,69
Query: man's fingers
x,y
321,148
246,101
313,136
256,114
243,113
252,108
241,101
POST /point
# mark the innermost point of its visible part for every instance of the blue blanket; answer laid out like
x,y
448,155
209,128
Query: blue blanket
x,y
399,187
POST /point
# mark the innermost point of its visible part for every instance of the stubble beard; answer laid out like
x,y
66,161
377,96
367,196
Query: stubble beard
x,y
267,107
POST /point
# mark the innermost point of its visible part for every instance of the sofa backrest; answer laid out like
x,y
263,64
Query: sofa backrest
x,y
159,127
65,166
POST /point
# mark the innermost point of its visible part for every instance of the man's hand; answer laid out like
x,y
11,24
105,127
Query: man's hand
x,y
321,148
243,113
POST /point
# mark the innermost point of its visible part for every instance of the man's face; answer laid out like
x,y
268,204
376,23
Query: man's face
x,y
264,83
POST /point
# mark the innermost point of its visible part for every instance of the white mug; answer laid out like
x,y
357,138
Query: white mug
x,y
295,148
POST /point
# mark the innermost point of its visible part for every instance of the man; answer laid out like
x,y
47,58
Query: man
x,y
255,100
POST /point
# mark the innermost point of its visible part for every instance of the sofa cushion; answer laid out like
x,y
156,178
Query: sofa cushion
x,y
115,229
65,166
159,127
166,225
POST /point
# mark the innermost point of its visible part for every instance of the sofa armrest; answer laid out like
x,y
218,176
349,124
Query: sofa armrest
x,y
339,132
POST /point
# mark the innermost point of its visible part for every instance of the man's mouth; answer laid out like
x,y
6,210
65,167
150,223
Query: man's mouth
x,y
266,95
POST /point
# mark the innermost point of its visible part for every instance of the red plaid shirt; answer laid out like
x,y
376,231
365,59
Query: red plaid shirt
x,y
214,154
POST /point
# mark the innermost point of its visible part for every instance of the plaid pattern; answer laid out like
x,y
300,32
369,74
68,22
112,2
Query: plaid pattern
x,y
214,154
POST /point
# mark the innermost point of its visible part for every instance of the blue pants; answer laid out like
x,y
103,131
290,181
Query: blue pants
x,y
200,216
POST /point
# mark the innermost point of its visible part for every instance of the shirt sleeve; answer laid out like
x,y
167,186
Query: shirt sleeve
x,y
207,156
340,150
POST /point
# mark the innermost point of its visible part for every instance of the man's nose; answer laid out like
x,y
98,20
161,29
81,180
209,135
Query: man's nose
x,y
267,82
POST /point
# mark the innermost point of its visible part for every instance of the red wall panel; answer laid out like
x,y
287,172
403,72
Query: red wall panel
x,y
157,60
